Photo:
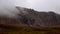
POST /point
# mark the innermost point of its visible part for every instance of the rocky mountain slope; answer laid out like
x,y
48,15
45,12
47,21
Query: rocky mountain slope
x,y
30,17
39,19
29,21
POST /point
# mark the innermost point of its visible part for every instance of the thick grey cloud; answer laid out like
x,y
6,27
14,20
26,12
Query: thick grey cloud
x,y
40,5
7,6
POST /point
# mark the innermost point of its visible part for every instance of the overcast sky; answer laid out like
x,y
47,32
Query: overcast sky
x,y
39,5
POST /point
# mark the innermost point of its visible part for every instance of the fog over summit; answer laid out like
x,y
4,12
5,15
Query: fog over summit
x,y
8,7
40,5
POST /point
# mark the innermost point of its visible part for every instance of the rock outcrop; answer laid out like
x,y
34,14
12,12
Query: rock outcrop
x,y
30,17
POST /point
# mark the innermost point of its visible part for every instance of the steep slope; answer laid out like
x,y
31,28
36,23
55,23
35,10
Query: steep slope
x,y
29,21
30,17
39,19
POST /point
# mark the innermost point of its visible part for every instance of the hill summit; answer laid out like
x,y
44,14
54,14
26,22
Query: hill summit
x,y
30,17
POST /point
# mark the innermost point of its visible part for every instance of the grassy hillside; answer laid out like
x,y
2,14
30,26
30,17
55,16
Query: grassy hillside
x,y
11,29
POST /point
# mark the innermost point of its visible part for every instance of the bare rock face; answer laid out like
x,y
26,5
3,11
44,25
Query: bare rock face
x,y
40,19
33,18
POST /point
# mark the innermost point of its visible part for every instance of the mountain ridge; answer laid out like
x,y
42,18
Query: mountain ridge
x,y
32,18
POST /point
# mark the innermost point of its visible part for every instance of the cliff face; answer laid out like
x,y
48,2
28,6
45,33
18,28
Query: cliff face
x,y
30,17
40,19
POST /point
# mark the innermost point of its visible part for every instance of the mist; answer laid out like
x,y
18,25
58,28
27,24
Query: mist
x,y
8,7
40,5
